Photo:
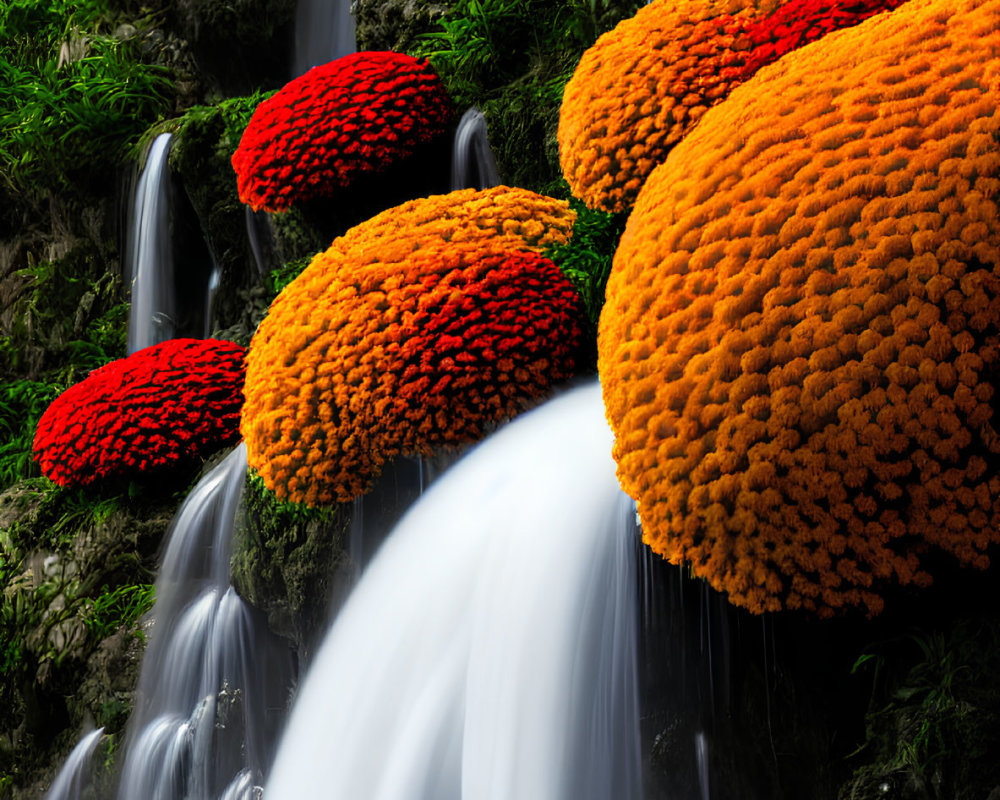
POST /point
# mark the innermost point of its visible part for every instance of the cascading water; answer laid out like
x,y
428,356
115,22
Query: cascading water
x,y
473,165
324,30
215,681
72,780
169,267
489,650
150,265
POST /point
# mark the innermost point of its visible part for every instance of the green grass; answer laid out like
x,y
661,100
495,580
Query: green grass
x,y
73,98
586,258
115,608
22,404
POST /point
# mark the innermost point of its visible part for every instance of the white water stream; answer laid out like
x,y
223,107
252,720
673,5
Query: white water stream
x,y
215,681
324,30
489,650
150,258
473,165
73,778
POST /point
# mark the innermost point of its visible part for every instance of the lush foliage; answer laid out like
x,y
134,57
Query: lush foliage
x,y
160,408
512,58
642,87
220,126
932,714
586,258
73,570
328,129
73,99
374,351
802,331
67,319
116,607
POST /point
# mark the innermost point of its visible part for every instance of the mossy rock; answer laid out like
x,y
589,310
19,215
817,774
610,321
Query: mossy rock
x,y
394,24
290,562
69,658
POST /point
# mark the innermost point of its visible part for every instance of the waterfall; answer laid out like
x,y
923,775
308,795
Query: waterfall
x,y
489,650
214,681
170,269
72,779
150,264
473,165
324,30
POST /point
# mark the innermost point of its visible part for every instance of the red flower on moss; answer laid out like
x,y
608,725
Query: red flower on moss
x,y
358,115
162,406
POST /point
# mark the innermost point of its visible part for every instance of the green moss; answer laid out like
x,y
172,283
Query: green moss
x,y
65,319
203,144
290,561
75,575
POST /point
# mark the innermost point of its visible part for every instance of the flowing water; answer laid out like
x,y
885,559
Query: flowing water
x,y
150,257
215,682
324,30
489,650
473,165
169,267
73,778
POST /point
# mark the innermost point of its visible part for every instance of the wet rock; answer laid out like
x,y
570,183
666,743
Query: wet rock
x,y
394,24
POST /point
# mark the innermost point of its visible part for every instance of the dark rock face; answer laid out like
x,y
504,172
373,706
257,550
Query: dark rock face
x,y
292,564
394,24
238,46
70,654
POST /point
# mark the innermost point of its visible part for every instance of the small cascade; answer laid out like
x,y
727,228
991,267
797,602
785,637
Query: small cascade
x,y
73,778
169,268
150,257
473,165
324,30
255,221
214,681
489,650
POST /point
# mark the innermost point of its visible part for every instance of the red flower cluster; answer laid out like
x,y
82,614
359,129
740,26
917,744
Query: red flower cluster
x,y
360,114
800,22
159,407
486,339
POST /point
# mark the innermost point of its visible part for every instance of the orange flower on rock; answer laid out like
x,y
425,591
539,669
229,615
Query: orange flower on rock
x,y
802,331
356,116
417,328
642,86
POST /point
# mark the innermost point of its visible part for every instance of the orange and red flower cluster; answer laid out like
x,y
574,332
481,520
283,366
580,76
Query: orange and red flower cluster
x,y
644,85
160,407
801,340
415,329
358,115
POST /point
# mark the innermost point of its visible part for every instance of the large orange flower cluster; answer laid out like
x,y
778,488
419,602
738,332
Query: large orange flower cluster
x,y
643,86
416,328
802,331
